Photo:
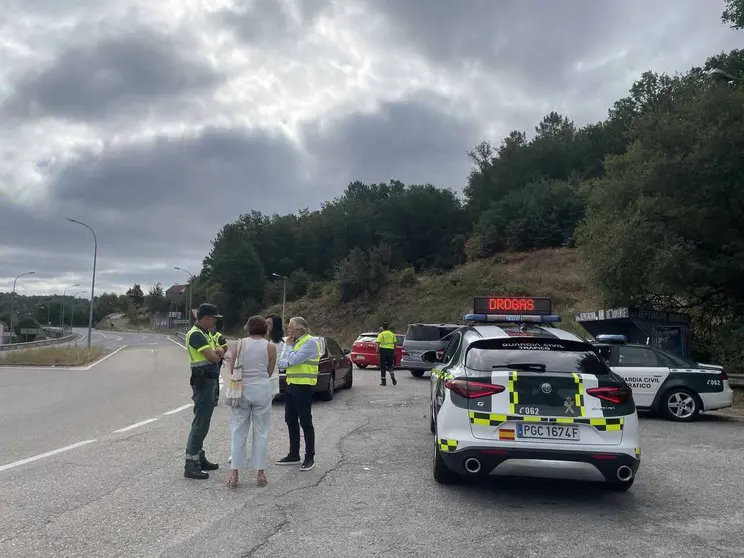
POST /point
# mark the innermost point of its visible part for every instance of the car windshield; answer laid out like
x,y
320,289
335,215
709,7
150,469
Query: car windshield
x,y
423,333
533,355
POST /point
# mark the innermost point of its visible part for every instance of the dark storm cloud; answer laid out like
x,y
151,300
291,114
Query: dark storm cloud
x,y
408,141
100,80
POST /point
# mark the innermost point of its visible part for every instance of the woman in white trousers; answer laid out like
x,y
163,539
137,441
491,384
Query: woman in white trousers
x,y
253,412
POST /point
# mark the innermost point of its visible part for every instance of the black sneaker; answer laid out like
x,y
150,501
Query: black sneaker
x,y
392,377
307,465
289,460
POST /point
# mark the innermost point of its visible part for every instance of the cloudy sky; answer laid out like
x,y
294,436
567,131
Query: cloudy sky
x,y
157,122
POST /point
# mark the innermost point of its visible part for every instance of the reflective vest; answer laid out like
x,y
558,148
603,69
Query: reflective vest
x,y
219,340
306,373
196,358
387,339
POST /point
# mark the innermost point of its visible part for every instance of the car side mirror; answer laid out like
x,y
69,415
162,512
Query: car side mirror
x,y
430,356
347,351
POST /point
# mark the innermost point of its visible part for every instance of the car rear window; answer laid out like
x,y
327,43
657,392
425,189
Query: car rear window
x,y
556,356
400,339
367,337
423,333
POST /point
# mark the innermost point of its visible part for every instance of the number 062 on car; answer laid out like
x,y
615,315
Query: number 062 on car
x,y
548,431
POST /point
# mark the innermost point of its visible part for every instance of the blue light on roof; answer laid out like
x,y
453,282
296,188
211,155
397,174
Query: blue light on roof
x,y
485,318
611,338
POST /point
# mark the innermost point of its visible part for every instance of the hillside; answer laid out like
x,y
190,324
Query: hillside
x,y
556,273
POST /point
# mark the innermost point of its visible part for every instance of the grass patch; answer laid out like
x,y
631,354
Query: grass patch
x,y
55,356
446,297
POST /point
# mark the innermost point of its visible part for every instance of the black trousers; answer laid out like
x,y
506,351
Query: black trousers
x,y
203,392
387,362
298,413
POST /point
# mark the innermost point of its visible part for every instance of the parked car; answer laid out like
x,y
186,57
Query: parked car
x,y
364,351
421,338
335,370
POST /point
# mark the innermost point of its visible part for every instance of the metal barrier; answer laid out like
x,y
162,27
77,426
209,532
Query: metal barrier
x,y
32,344
736,380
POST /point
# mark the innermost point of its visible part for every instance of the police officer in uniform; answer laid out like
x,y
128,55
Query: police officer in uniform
x,y
386,341
221,342
204,358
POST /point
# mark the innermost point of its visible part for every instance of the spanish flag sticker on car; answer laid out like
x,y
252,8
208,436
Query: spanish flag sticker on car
x,y
506,434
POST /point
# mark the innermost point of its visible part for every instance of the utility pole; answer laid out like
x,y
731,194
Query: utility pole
x,y
64,294
284,295
192,277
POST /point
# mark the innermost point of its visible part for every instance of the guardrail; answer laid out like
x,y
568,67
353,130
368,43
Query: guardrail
x,y
32,344
736,380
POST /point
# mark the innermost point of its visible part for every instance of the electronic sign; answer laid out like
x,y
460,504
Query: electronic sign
x,y
513,305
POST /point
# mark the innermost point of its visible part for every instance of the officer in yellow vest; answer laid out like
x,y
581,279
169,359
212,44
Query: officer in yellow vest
x,y
386,341
221,342
204,358
300,360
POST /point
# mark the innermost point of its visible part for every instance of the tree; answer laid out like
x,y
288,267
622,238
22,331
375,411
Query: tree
x,y
136,295
733,14
664,225
155,299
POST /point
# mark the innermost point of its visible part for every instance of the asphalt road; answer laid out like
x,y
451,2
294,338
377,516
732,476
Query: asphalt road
x,y
370,494
116,339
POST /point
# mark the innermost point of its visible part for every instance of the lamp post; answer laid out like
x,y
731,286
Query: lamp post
x,y
93,281
284,295
191,288
12,300
64,294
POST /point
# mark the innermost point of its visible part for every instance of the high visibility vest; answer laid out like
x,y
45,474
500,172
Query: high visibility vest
x,y
387,339
305,374
219,339
196,358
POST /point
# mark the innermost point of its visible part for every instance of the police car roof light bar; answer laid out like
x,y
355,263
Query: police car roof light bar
x,y
485,318
611,338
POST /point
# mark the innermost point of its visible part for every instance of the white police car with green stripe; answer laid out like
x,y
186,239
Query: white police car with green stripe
x,y
515,396
662,382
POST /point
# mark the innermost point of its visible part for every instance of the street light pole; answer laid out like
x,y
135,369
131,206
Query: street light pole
x,y
93,281
64,294
284,294
191,288
12,300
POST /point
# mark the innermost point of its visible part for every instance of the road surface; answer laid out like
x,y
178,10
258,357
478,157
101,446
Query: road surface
x,y
121,492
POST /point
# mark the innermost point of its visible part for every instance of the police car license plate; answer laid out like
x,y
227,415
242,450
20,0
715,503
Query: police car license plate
x,y
548,431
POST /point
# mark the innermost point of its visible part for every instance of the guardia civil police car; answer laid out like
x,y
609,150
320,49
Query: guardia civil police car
x,y
515,396
662,382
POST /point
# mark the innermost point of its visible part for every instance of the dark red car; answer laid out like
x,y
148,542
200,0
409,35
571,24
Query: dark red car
x,y
364,351
335,370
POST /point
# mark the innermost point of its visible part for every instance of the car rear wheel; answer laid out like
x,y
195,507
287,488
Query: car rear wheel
x,y
328,393
681,405
349,378
442,473
417,373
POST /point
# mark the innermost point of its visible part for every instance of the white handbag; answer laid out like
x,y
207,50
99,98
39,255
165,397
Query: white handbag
x,y
274,378
234,391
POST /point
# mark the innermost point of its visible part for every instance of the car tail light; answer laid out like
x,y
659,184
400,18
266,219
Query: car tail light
x,y
614,394
403,352
724,377
471,390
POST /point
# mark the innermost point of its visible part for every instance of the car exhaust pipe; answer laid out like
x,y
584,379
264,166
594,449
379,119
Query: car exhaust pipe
x,y
472,465
624,473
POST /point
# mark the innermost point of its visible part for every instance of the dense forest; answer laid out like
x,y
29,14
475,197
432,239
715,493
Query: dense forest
x,y
652,197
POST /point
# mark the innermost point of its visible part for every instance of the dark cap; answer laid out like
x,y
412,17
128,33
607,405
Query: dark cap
x,y
207,310
385,325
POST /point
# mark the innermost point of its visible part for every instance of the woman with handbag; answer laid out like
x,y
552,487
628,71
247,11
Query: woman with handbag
x,y
249,395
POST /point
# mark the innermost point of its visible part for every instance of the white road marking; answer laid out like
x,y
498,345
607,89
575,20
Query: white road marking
x,y
135,425
182,408
99,361
43,455
176,342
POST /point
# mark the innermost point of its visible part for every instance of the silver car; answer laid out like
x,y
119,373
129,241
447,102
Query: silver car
x,y
421,338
